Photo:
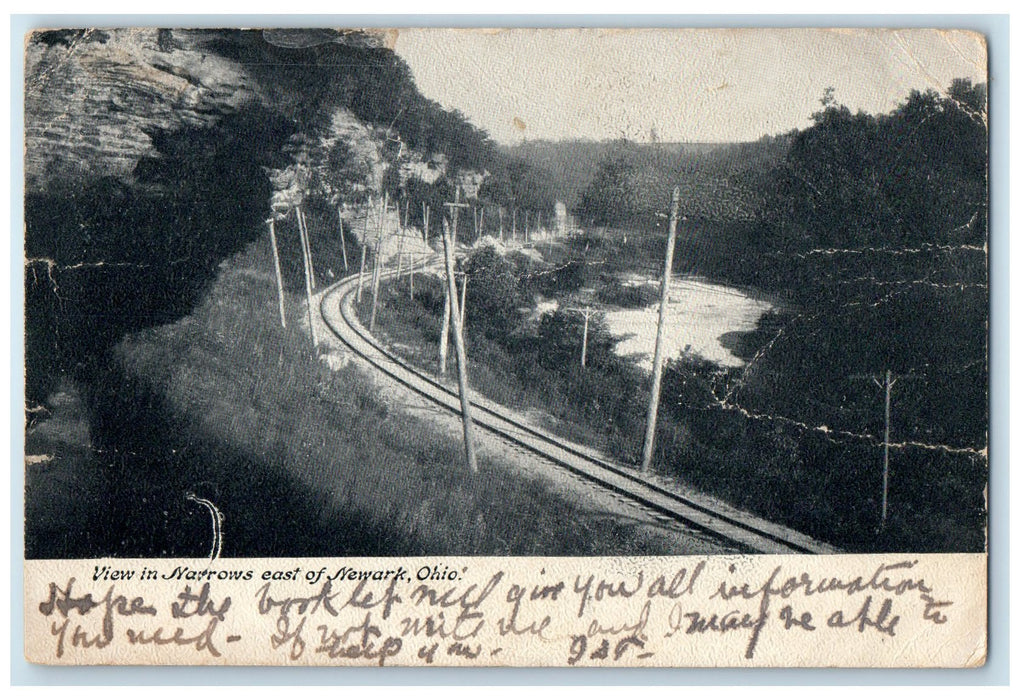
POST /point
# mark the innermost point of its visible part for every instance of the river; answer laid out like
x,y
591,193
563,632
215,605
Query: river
x,y
698,314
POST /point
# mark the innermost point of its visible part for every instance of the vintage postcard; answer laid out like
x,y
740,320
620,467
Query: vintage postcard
x,y
509,347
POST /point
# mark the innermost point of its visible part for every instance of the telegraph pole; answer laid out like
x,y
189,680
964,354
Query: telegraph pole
x,y
455,206
400,254
412,276
303,225
885,383
364,249
276,265
653,404
889,381
343,245
308,279
587,313
458,340
376,268
463,297
584,337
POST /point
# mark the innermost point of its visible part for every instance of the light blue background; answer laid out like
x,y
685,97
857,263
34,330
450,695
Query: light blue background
x,y
995,672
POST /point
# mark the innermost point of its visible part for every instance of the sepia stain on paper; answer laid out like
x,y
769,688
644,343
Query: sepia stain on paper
x,y
670,344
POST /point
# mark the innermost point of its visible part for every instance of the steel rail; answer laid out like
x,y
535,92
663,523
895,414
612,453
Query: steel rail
x,y
782,544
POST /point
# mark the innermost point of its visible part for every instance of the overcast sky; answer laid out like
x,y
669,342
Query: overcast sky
x,y
687,85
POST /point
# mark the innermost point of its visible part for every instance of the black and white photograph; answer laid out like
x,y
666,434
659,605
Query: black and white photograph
x,y
378,293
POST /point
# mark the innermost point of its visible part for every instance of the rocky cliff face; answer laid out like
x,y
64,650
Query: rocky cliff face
x,y
151,155
94,97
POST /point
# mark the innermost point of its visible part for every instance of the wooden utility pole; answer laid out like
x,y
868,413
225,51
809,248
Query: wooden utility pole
x,y
425,223
361,271
458,341
378,258
513,225
343,244
584,337
303,225
653,404
501,225
412,276
400,245
885,383
481,220
463,297
455,206
586,312
400,255
276,266
308,280
889,381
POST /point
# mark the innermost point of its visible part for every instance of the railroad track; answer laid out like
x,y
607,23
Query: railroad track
x,y
742,529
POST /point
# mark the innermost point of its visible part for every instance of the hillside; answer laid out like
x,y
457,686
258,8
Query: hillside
x,y
152,155
718,181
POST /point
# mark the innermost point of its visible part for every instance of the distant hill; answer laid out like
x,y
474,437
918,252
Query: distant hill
x,y
702,170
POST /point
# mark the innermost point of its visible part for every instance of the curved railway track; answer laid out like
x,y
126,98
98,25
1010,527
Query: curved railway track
x,y
742,529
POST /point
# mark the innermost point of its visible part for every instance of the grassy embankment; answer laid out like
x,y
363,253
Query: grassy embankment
x,y
315,451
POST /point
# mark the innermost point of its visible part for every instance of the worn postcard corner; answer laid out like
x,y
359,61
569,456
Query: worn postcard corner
x,y
545,347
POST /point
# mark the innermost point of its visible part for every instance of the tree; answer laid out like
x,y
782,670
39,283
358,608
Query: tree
x,y
345,177
560,335
915,174
492,293
611,198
